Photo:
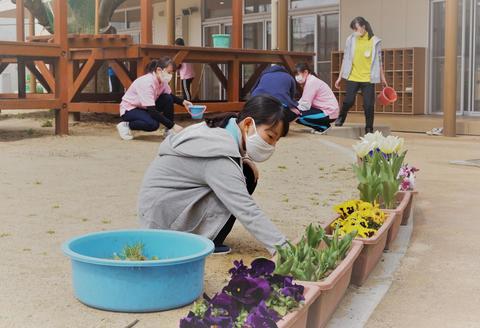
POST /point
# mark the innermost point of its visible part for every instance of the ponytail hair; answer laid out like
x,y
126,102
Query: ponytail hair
x,y
302,67
162,63
264,109
363,23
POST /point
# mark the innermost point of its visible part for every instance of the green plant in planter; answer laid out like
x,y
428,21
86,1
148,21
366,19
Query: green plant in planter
x,y
306,261
369,179
389,169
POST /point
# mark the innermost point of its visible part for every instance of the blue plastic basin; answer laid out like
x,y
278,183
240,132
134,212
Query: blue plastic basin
x,y
197,111
176,279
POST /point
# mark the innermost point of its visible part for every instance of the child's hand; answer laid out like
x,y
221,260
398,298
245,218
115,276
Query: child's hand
x,y
187,104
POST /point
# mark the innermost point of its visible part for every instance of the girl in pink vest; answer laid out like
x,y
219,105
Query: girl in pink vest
x,y
149,101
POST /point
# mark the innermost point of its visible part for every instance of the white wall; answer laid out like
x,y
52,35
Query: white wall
x,y
400,23
194,22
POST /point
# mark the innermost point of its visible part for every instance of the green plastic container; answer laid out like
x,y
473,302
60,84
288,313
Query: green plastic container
x,y
221,40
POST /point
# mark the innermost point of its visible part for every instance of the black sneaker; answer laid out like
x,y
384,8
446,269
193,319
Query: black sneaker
x,y
368,130
222,250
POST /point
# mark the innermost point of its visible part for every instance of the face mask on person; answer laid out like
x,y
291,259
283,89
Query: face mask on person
x,y
299,78
357,34
258,149
165,76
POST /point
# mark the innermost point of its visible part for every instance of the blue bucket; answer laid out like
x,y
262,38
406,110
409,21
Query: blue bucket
x,y
221,40
197,111
176,279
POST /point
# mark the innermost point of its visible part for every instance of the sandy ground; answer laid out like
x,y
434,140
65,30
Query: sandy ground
x,y
54,188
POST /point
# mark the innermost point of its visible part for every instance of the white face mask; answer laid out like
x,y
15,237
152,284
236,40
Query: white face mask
x,y
299,78
357,34
165,77
258,149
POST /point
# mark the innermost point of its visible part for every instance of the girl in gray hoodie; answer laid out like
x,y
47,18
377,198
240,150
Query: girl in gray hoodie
x,y
202,179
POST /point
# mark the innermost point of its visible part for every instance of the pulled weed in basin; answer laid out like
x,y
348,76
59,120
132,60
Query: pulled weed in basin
x,y
133,253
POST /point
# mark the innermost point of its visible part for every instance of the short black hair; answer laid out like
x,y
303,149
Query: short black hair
x,y
179,42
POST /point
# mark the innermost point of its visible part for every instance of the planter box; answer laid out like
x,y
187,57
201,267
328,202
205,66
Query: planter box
x,y
403,198
298,319
372,250
332,288
410,207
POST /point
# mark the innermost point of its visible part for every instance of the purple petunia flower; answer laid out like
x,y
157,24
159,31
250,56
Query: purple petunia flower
x,y
239,269
247,290
192,321
262,317
262,267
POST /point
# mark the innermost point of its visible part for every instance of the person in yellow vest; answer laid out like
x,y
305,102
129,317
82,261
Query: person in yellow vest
x,y
362,68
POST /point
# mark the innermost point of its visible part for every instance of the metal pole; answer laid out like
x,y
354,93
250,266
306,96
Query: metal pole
x,y
450,73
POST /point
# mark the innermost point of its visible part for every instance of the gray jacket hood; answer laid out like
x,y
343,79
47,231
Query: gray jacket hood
x,y
200,141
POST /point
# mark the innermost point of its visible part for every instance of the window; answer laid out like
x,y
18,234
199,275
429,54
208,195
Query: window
x,y
303,33
257,6
294,4
217,8
327,42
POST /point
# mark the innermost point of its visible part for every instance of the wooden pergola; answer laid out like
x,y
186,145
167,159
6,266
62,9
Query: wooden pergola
x,y
64,64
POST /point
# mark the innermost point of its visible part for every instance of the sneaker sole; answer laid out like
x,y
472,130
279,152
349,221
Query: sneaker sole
x,y
222,253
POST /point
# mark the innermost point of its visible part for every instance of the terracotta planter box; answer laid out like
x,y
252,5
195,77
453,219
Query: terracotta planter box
x,y
403,199
372,250
332,288
409,209
298,319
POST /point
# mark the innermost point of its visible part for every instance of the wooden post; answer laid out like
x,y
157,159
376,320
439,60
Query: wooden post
x,y
20,13
146,21
170,14
282,25
31,33
97,23
233,85
274,31
60,13
237,24
450,73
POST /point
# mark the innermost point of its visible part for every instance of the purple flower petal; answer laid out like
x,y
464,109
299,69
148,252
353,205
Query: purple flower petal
x,y
262,317
191,321
262,267
247,290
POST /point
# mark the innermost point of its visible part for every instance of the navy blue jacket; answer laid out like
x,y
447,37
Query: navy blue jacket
x,y
276,81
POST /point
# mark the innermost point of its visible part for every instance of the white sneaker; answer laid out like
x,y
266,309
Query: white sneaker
x,y
124,131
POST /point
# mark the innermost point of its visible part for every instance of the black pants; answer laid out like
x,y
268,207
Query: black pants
x,y
186,89
227,228
150,119
315,118
368,92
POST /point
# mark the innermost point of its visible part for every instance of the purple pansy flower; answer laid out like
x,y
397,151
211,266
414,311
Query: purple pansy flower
x,y
296,292
262,267
227,303
262,317
281,281
239,269
248,290
192,321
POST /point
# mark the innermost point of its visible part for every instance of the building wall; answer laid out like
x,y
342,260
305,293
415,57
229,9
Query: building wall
x,y
400,23
194,32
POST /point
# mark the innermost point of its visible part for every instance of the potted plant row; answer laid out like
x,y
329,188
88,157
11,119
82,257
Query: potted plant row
x,y
322,261
371,225
379,162
254,297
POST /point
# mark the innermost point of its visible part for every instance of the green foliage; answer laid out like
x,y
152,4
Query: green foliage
x,y
306,261
133,253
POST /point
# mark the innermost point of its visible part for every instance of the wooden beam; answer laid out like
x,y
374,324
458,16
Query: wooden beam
x,y
28,50
289,63
37,75
60,14
46,73
21,78
450,73
253,79
219,74
237,24
233,89
29,104
282,25
146,21
20,15
180,57
87,72
121,72
170,15
31,33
